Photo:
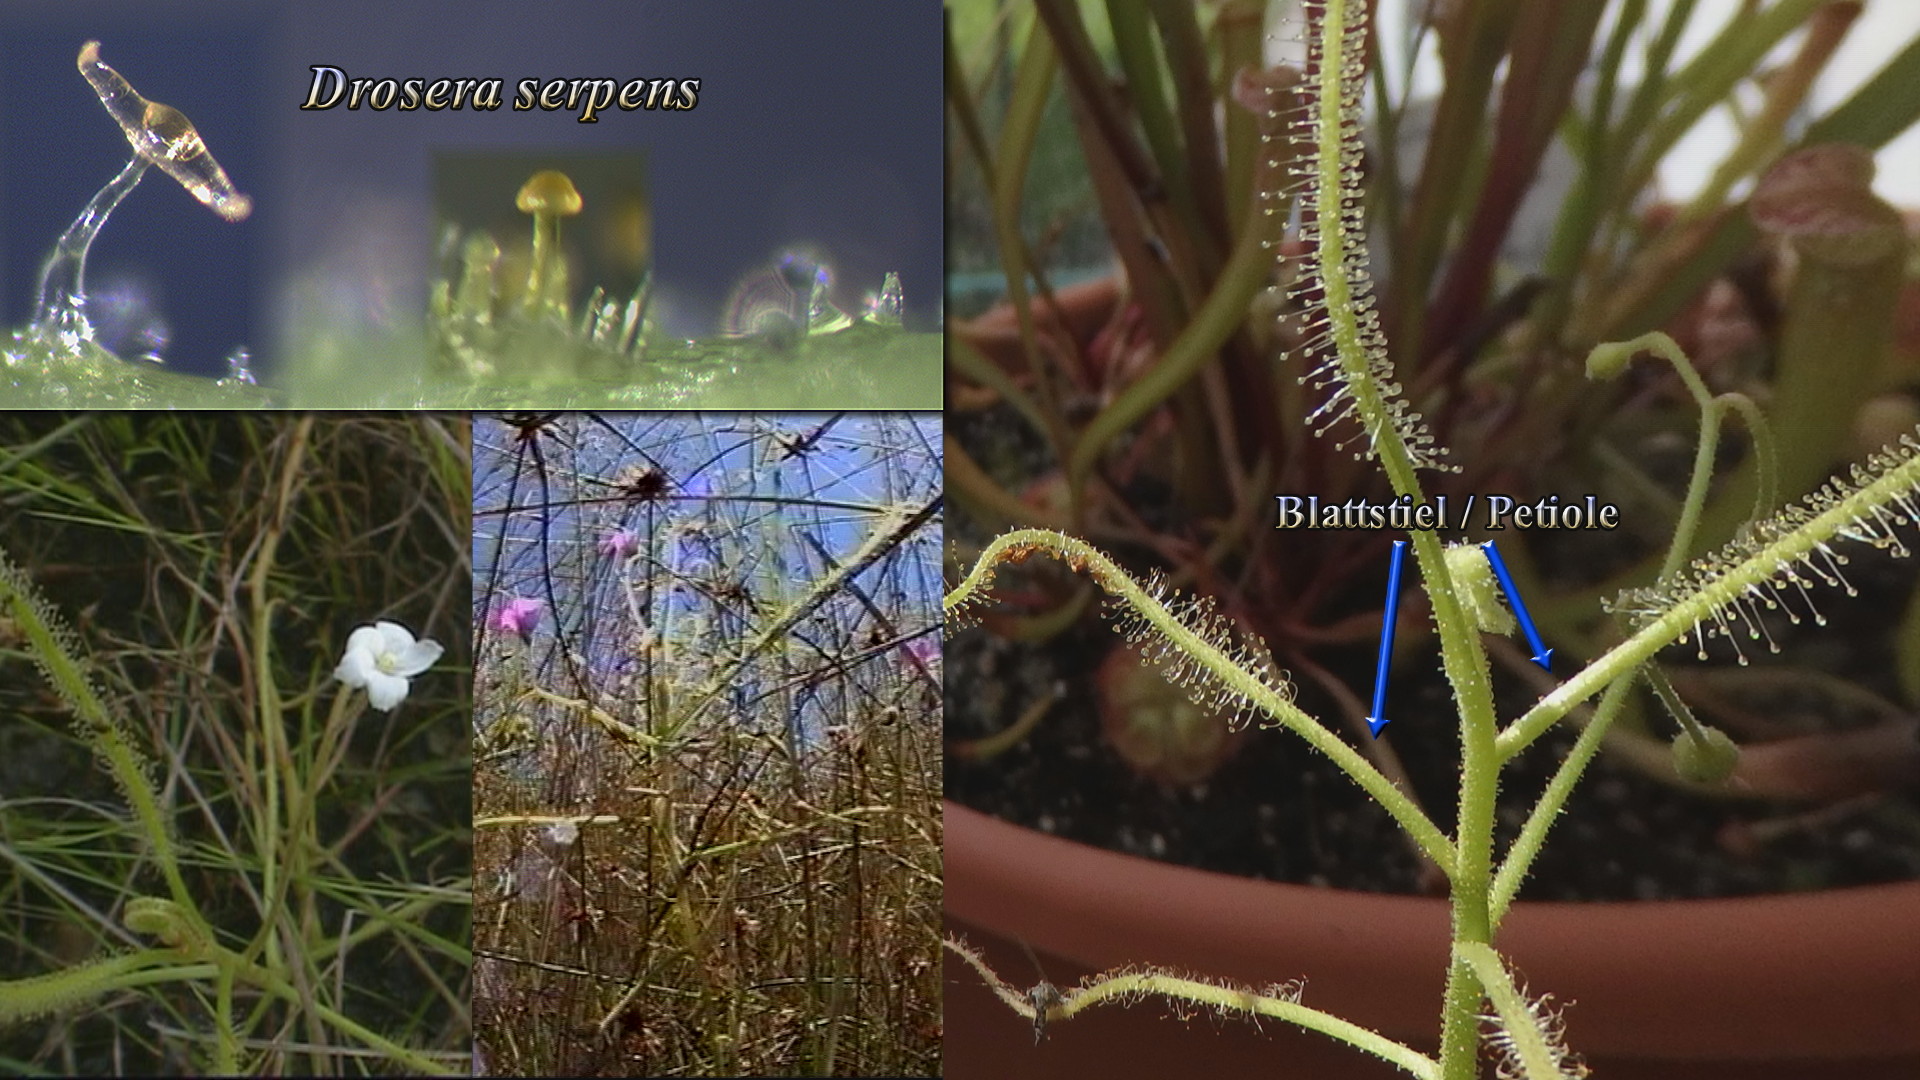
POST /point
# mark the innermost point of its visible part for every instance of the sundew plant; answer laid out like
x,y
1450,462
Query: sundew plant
x,y
1788,562
707,774
234,797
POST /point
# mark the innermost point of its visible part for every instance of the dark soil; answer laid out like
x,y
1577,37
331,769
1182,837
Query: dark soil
x,y
1278,810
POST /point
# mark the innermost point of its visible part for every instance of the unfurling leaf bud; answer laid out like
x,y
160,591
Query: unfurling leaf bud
x,y
1478,589
1708,759
1608,359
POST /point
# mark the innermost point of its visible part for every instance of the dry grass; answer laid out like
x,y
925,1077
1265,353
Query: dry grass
x,y
742,741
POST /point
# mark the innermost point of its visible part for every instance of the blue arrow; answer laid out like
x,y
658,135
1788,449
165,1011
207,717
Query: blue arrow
x,y
1376,720
1541,654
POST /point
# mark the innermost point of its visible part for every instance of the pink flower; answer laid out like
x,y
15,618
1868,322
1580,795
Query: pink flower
x,y
925,648
618,544
519,617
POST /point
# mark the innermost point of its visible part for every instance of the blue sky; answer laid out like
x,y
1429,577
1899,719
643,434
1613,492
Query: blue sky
x,y
749,518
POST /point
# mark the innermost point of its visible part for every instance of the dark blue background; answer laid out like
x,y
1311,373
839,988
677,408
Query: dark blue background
x,y
817,122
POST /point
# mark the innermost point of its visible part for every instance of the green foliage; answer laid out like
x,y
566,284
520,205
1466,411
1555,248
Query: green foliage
x,y
224,558
1775,561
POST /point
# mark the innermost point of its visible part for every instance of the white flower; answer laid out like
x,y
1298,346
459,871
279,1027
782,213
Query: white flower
x,y
382,657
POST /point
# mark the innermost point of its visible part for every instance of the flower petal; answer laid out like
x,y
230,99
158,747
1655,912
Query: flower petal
x,y
417,657
386,691
366,639
519,616
394,638
356,667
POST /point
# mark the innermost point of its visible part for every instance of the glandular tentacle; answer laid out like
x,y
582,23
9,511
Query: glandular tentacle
x,y
1727,591
164,136
61,305
160,135
1340,328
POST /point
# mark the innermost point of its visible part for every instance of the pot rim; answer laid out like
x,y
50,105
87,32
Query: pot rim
x,y
1805,975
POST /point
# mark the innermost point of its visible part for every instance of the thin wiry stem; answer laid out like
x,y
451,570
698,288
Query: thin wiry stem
x,y
61,304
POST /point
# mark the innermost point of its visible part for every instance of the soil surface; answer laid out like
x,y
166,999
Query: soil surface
x,y
1278,810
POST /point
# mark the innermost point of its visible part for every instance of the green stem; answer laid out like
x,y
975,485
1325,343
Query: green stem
x,y
969,361
1533,833
546,255
1740,572
1278,1001
1663,689
1228,671
226,1046
282,777
1223,313
73,987
1528,1043
57,650
1019,133
1361,365
1610,358
1123,987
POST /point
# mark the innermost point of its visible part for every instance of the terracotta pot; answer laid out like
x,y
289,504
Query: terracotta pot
x,y
1078,314
1803,985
